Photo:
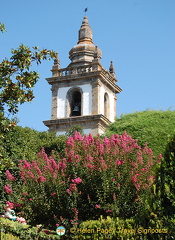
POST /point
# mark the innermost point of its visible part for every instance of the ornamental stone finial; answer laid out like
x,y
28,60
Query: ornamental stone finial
x,y
111,68
97,54
57,60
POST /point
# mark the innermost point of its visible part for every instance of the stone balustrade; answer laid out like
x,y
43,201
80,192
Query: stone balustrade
x,y
75,70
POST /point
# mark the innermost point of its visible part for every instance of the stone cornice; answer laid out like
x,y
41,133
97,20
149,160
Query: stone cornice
x,y
80,119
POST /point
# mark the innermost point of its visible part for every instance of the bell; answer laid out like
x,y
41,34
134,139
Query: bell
x,y
76,111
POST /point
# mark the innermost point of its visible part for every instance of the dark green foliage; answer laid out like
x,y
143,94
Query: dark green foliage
x,y
167,178
76,128
24,143
127,229
153,127
26,232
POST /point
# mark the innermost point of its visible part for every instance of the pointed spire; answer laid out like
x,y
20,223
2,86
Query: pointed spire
x,y
85,51
57,60
111,68
85,32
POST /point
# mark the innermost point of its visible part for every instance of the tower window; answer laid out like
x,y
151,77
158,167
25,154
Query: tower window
x,y
106,105
74,102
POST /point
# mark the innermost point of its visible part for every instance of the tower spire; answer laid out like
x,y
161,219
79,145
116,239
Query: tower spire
x,y
85,32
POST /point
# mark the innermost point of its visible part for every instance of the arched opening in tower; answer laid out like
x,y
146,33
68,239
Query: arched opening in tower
x,y
76,103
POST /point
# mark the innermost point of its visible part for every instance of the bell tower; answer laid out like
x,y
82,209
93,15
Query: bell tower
x,y
83,93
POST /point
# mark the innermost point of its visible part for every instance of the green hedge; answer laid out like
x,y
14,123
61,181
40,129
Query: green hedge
x,y
24,232
102,229
23,143
151,126
8,236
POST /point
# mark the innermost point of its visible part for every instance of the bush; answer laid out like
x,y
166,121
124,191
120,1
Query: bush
x,y
109,176
25,232
153,127
24,143
116,228
8,236
167,173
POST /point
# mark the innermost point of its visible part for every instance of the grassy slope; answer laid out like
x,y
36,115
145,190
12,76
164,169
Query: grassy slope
x,y
153,127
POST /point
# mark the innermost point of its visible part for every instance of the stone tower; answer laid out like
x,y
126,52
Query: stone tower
x,y
83,93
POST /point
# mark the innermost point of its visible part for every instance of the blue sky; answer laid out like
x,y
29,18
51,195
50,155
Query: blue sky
x,y
137,35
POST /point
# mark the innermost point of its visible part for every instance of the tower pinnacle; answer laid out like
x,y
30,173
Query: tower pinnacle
x,y
85,32
111,68
84,51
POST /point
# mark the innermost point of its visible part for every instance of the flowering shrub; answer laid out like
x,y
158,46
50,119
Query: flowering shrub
x,y
97,176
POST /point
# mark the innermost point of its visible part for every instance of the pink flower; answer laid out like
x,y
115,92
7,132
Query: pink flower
x,y
53,163
17,205
151,179
90,166
53,194
103,165
68,191
9,176
41,179
106,141
70,142
73,187
10,204
31,175
57,224
134,178
61,166
159,158
113,180
77,180
8,189
47,231
118,162
77,136
30,199
101,148
26,165
108,210
97,206
138,186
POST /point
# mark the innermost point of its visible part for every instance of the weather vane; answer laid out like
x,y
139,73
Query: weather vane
x,y
85,10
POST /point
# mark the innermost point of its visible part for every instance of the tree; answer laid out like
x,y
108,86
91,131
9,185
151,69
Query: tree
x,y
2,27
17,80
75,128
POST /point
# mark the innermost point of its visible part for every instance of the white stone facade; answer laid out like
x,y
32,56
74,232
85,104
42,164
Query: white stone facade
x,y
62,100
